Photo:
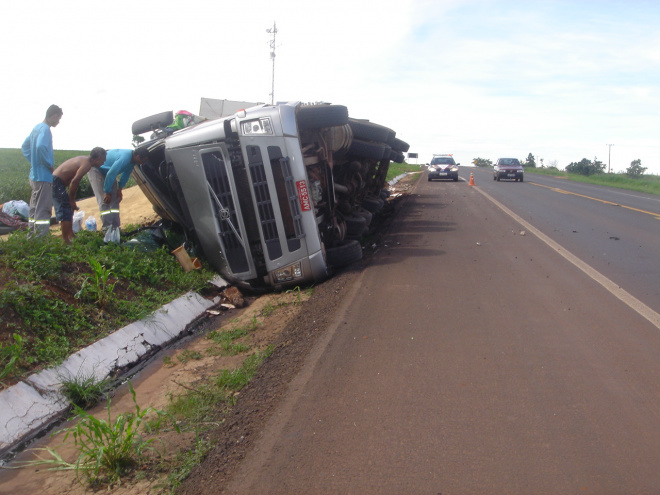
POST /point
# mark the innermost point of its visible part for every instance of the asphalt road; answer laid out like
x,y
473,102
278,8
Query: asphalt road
x,y
615,231
470,358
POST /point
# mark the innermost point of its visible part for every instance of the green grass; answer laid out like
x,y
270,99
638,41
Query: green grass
x,y
646,183
83,390
186,461
206,401
225,339
107,449
205,405
397,169
15,170
60,298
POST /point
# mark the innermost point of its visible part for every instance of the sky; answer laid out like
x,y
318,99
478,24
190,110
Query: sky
x,y
485,78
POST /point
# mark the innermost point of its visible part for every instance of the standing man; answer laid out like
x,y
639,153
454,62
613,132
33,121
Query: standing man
x,y
38,149
104,182
69,174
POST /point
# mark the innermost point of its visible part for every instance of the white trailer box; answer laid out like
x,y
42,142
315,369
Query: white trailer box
x,y
211,108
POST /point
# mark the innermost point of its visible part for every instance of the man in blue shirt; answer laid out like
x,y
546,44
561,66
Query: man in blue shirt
x,y
38,149
118,163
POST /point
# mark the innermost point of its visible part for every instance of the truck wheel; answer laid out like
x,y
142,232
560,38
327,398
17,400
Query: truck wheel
x,y
397,157
152,123
368,150
368,216
355,225
317,116
363,129
398,145
373,204
344,253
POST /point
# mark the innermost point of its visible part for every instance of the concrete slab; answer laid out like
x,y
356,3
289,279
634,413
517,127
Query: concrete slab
x,y
29,407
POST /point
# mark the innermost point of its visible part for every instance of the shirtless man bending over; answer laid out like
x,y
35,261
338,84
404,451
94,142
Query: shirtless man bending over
x,y
69,174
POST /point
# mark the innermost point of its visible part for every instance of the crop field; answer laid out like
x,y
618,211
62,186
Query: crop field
x,y
15,169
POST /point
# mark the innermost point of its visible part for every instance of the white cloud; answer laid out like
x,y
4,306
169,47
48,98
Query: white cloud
x,y
479,78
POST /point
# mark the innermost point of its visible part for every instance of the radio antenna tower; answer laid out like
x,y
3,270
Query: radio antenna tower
x,y
272,31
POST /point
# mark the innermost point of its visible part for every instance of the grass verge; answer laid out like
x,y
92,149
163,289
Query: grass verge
x,y
397,169
56,299
649,184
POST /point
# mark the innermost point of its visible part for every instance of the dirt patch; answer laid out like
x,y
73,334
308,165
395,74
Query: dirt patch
x,y
135,209
171,373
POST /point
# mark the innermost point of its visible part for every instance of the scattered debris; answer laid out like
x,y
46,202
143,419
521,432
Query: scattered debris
x,y
234,296
522,232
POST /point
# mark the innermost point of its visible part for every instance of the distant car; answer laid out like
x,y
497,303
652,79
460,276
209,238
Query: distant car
x,y
508,168
443,167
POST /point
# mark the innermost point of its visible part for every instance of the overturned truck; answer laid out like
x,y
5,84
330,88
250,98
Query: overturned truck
x,y
275,195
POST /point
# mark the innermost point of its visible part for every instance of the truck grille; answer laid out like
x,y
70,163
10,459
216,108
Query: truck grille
x,y
264,203
225,211
288,198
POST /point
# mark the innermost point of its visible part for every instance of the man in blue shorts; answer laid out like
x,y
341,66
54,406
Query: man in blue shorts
x,y
70,174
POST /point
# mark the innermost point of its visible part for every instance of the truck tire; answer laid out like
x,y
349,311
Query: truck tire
x,y
374,205
355,225
368,216
397,157
398,145
152,123
317,116
367,149
369,131
344,253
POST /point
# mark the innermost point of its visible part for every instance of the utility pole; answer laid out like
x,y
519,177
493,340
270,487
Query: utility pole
x,y
609,158
272,31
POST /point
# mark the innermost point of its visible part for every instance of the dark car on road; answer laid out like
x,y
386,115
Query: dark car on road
x,y
443,167
508,168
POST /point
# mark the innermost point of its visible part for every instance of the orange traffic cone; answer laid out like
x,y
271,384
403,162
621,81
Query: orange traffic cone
x,y
471,179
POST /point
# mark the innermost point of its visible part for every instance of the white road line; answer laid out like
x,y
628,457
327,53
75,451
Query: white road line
x,y
625,297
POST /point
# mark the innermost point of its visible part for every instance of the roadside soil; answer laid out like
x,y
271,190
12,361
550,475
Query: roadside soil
x,y
291,329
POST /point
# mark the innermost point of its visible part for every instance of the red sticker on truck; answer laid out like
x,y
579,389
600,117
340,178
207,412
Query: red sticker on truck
x,y
303,196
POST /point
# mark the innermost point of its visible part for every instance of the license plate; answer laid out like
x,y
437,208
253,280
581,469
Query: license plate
x,y
442,173
510,175
303,196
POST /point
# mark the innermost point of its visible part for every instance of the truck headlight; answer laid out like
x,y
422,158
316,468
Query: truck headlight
x,y
256,126
288,273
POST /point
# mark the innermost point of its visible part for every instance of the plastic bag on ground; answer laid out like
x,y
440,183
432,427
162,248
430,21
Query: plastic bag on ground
x,y
147,240
78,217
90,223
112,235
17,209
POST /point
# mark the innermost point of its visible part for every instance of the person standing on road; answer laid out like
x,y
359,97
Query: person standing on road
x,y
118,163
70,174
38,149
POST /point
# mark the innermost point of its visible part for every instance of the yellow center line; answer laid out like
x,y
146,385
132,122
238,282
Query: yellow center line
x,y
562,191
